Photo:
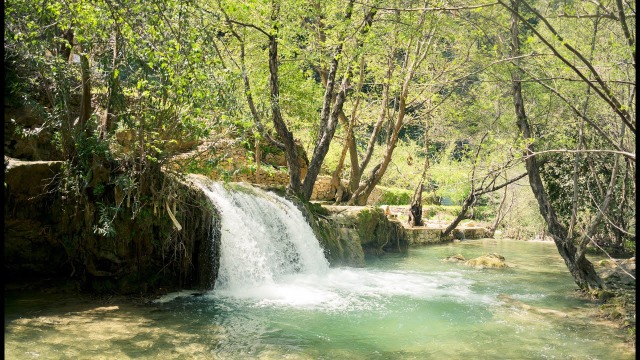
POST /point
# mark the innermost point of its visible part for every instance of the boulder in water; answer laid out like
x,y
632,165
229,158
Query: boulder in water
x,y
492,260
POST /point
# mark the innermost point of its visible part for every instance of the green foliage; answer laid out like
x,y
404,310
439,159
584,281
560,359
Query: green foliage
x,y
393,196
522,220
105,226
170,74
441,212
451,179
318,209
484,213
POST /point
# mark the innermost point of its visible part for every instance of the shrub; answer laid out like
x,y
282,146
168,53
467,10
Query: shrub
x,y
394,196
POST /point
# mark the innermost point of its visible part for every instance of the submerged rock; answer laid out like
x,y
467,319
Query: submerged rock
x,y
517,304
455,258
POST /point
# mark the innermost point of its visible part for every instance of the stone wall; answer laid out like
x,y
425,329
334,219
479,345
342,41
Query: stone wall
x,y
269,179
424,236
431,235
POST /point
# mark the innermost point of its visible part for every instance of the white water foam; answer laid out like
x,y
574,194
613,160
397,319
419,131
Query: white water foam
x,y
353,289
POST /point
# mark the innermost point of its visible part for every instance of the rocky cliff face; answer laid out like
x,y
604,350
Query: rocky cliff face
x,y
51,234
30,210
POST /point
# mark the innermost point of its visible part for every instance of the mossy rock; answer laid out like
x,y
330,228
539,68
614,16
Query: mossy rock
x,y
492,260
368,220
318,209
607,263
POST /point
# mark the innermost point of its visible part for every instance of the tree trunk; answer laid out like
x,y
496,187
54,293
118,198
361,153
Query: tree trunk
x,y
328,123
114,93
362,193
65,46
291,153
415,212
350,142
580,268
336,179
258,154
422,46
85,103
416,200
329,116
466,204
356,176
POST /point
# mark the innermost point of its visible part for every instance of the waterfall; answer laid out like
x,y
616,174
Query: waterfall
x,y
264,239
270,257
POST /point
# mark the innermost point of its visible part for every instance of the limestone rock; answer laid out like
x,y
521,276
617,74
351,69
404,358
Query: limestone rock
x,y
350,232
619,273
492,260
30,178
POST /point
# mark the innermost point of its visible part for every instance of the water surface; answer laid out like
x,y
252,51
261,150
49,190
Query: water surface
x,y
277,298
412,306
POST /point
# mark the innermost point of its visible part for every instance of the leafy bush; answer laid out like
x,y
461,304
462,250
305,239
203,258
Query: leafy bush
x,y
441,212
394,196
484,213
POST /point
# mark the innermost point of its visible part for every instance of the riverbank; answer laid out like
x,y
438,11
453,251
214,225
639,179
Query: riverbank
x,y
619,303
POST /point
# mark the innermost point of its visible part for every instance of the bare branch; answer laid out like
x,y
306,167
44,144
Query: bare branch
x,y
628,155
625,29
498,187
576,111
433,8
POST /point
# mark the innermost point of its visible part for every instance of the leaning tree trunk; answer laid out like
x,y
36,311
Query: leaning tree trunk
x,y
468,202
579,266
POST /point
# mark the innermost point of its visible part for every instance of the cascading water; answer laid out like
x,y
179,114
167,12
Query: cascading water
x,y
269,256
264,239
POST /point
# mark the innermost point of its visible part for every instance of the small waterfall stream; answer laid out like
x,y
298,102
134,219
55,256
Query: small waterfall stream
x,y
264,238
269,256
